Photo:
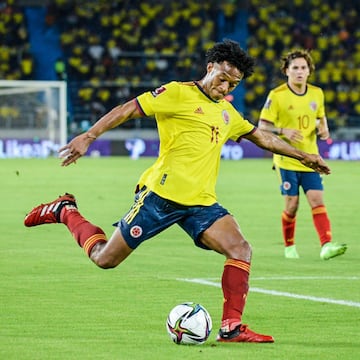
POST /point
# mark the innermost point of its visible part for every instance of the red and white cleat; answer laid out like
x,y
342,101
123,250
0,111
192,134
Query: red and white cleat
x,y
49,213
243,334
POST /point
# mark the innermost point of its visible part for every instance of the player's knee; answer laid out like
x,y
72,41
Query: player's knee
x,y
105,262
239,249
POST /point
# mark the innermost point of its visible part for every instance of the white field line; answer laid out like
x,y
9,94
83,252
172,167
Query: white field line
x,y
279,293
254,278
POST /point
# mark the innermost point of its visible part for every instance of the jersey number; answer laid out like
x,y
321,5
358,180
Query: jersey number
x,y
304,122
215,134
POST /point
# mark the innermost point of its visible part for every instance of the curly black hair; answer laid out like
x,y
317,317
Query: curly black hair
x,y
230,51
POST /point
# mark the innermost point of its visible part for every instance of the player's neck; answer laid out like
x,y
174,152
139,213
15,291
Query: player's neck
x,y
298,89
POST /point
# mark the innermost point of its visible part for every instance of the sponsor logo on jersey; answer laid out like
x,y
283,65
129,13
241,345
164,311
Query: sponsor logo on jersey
x,y
158,91
199,110
226,117
136,231
267,104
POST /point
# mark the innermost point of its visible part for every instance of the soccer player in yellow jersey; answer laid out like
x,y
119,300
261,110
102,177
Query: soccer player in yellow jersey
x,y
194,121
295,111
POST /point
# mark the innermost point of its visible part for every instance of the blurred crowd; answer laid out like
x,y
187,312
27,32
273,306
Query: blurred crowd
x,y
143,43
16,60
330,29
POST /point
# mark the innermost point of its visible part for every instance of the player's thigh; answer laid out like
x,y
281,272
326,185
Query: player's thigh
x,y
225,237
315,198
289,182
115,251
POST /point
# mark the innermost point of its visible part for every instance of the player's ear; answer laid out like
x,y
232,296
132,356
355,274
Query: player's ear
x,y
210,66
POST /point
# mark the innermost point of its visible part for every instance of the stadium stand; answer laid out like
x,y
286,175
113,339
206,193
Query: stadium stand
x,y
145,43
330,29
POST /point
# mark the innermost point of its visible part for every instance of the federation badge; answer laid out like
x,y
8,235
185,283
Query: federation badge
x,y
226,117
286,185
313,106
136,231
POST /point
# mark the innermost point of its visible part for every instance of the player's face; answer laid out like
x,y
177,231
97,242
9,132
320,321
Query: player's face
x,y
221,79
298,71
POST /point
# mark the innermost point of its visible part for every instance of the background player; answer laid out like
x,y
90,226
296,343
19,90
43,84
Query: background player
x,y
295,111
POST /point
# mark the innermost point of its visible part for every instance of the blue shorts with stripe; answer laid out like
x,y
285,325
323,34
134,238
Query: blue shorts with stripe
x,y
292,181
150,214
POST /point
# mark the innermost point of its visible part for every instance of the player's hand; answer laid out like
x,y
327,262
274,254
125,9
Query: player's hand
x,y
76,148
292,134
316,163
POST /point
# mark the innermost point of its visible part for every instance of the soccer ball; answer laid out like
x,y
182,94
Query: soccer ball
x,y
189,323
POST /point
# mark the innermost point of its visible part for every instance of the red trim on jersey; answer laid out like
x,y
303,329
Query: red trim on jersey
x,y
267,121
139,107
251,132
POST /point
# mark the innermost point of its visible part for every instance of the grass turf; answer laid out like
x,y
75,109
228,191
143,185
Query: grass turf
x,y
56,304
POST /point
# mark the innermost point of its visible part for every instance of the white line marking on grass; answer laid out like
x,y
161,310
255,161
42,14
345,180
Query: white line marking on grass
x,y
300,278
306,278
280,293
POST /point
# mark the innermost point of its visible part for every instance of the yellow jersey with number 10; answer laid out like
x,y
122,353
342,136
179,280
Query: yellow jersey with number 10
x,y
192,130
285,109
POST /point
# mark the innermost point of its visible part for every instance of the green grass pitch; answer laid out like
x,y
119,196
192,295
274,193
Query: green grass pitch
x,y
56,304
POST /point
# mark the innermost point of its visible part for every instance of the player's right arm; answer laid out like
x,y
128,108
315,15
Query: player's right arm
x,y
78,146
275,144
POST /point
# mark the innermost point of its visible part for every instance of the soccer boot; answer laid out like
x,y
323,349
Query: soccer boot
x,y
243,334
290,252
330,250
50,212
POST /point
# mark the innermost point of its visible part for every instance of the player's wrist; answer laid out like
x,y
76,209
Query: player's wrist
x,y
90,135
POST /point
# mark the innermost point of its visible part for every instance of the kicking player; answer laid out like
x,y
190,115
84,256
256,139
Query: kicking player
x,y
194,122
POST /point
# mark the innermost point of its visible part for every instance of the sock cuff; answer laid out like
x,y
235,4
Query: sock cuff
x,y
240,264
321,209
287,217
92,241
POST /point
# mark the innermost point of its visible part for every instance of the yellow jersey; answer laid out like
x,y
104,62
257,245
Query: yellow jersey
x,y
192,130
285,109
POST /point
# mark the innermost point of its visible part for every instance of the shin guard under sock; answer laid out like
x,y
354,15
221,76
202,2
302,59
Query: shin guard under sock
x,y
85,233
235,286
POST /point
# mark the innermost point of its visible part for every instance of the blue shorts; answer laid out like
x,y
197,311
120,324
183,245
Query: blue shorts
x,y
291,181
151,214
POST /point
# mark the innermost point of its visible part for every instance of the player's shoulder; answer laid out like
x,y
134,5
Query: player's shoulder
x,y
180,86
313,87
281,88
187,83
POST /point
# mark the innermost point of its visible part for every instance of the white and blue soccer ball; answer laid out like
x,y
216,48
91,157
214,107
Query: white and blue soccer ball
x,y
189,324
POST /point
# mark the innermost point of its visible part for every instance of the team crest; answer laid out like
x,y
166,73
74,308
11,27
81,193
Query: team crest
x,y
136,231
313,105
226,117
286,185
158,91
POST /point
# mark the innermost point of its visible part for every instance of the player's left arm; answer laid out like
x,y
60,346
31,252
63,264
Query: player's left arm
x,y
273,143
323,128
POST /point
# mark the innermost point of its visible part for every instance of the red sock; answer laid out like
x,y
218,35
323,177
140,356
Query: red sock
x,y
322,224
86,234
288,228
235,286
